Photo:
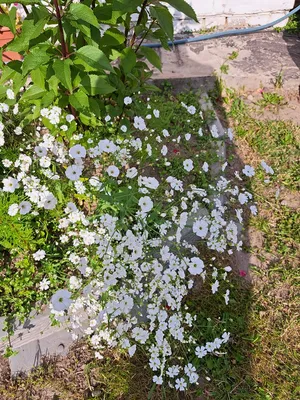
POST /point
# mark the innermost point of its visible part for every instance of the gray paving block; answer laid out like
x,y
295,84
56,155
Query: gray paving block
x,y
33,340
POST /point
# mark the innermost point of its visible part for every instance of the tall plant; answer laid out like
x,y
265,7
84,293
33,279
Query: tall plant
x,y
86,56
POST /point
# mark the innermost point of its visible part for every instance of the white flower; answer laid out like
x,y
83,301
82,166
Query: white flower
x,y
196,266
140,335
16,109
156,113
187,136
253,210
114,171
225,337
4,107
6,163
44,284
77,151
13,209
107,118
214,132
74,282
132,350
127,100
18,130
64,128
73,172
200,228
61,300
131,172
45,162
205,167
267,168
149,182
248,171
158,379
10,184
107,146
201,351
173,371
164,150
226,296
10,94
243,198
200,132
40,151
146,204
124,128
50,202
188,165
24,207
215,286
180,384
39,255
191,110
230,133
70,118
139,123
165,133
95,182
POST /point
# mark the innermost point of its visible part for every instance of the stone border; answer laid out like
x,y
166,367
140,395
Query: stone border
x,y
36,337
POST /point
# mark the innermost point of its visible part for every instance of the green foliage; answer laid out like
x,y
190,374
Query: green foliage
x,y
68,54
15,233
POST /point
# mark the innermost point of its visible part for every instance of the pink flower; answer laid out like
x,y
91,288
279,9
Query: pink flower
x,y
243,273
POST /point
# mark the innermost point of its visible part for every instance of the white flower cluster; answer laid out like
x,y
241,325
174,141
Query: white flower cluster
x,y
133,266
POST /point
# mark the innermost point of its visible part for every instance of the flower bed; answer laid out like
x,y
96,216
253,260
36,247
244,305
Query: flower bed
x,y
102,179
114,213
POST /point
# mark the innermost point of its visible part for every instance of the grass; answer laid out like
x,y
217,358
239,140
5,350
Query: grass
x,y
293,25
261,361
273,319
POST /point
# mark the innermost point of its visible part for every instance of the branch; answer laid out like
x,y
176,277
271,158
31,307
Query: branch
x,y
144,5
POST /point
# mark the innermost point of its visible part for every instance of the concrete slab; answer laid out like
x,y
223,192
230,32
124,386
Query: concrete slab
x,y
261,57
33,340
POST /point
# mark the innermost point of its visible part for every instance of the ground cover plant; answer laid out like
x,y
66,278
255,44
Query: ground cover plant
x,y
102,179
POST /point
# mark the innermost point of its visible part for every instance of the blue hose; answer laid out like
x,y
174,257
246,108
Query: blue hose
x,y
231,32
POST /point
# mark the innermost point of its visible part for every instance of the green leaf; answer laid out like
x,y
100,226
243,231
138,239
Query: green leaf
x,y
34,59
151,56
126,6
94,57
83,13
164,18
95,84
8,20
38,76
33,93
128,60
106,15
63,72
48,98
30,30
79,100
112,37
183,7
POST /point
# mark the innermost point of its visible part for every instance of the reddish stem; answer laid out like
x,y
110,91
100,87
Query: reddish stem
x,y
64,46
